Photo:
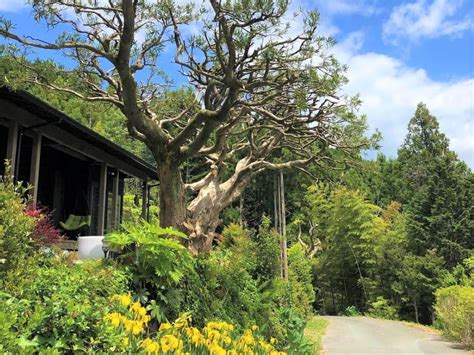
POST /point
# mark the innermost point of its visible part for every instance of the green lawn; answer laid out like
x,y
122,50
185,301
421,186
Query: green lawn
x,y
314,332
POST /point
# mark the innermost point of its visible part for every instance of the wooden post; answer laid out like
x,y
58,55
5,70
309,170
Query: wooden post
x,y
144,199
241,210
115,200
275,204
58,197
102,199
35,167
12,145
280,222
283,228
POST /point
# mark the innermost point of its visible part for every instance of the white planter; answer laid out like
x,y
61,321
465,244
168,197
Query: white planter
x,y
90,247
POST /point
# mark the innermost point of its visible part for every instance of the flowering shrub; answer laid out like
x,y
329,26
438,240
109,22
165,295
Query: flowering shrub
x,y
44,232
180,337
51,307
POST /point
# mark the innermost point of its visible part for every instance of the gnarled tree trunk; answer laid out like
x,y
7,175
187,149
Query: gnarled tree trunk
x,y
199,217
203,212
172,195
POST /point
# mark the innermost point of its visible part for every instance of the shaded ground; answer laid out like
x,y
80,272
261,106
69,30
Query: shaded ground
x,y
361,335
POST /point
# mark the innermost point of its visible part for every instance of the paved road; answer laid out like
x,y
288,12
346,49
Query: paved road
x,y
360,335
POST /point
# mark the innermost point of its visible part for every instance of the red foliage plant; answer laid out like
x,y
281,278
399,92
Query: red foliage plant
x,y
45,232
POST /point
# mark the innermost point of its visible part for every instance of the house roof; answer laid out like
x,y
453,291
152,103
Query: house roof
x,y
48,113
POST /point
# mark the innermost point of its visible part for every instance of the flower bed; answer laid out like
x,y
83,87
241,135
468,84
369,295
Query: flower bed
x,y
131,320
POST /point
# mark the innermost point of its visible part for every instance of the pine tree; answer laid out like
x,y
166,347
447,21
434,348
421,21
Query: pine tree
x,y
438,191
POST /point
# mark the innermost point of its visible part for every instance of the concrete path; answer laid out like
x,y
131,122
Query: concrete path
x,y
361,335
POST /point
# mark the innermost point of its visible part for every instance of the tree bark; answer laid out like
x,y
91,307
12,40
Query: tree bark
x,y
202,216
172,195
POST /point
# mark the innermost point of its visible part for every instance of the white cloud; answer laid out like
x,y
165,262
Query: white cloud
x,y
12,5
391,90
420,19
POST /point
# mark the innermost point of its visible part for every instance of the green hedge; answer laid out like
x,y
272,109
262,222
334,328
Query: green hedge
x,y
455,312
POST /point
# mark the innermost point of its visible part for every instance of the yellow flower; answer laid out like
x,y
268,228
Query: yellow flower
x,y
254,327
128,324
152,347
213,335
248,339
146,342
135,307
215,349
114,318
169,342
165,326
265,346
146,318
137,328
142,312
273,341
179,324
125,341
123,299
196,339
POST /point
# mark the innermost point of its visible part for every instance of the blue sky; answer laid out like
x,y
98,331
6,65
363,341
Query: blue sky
x,y
399,52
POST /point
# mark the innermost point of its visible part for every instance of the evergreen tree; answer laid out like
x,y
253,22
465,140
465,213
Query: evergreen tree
x,y
438,191
419,277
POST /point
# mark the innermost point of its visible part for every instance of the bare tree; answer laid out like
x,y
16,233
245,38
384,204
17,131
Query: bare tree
x,y
263,98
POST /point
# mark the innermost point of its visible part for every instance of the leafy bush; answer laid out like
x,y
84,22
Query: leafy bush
x,y
455,312
16,228
301,277
351,311
152,253
222,285
234,235
267,252
381,308
222,288
461,274
130,322
238,241
295,326
225,286
52,305
157,260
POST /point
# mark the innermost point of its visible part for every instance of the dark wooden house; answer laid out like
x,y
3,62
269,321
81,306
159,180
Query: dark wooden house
x,y
73,170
